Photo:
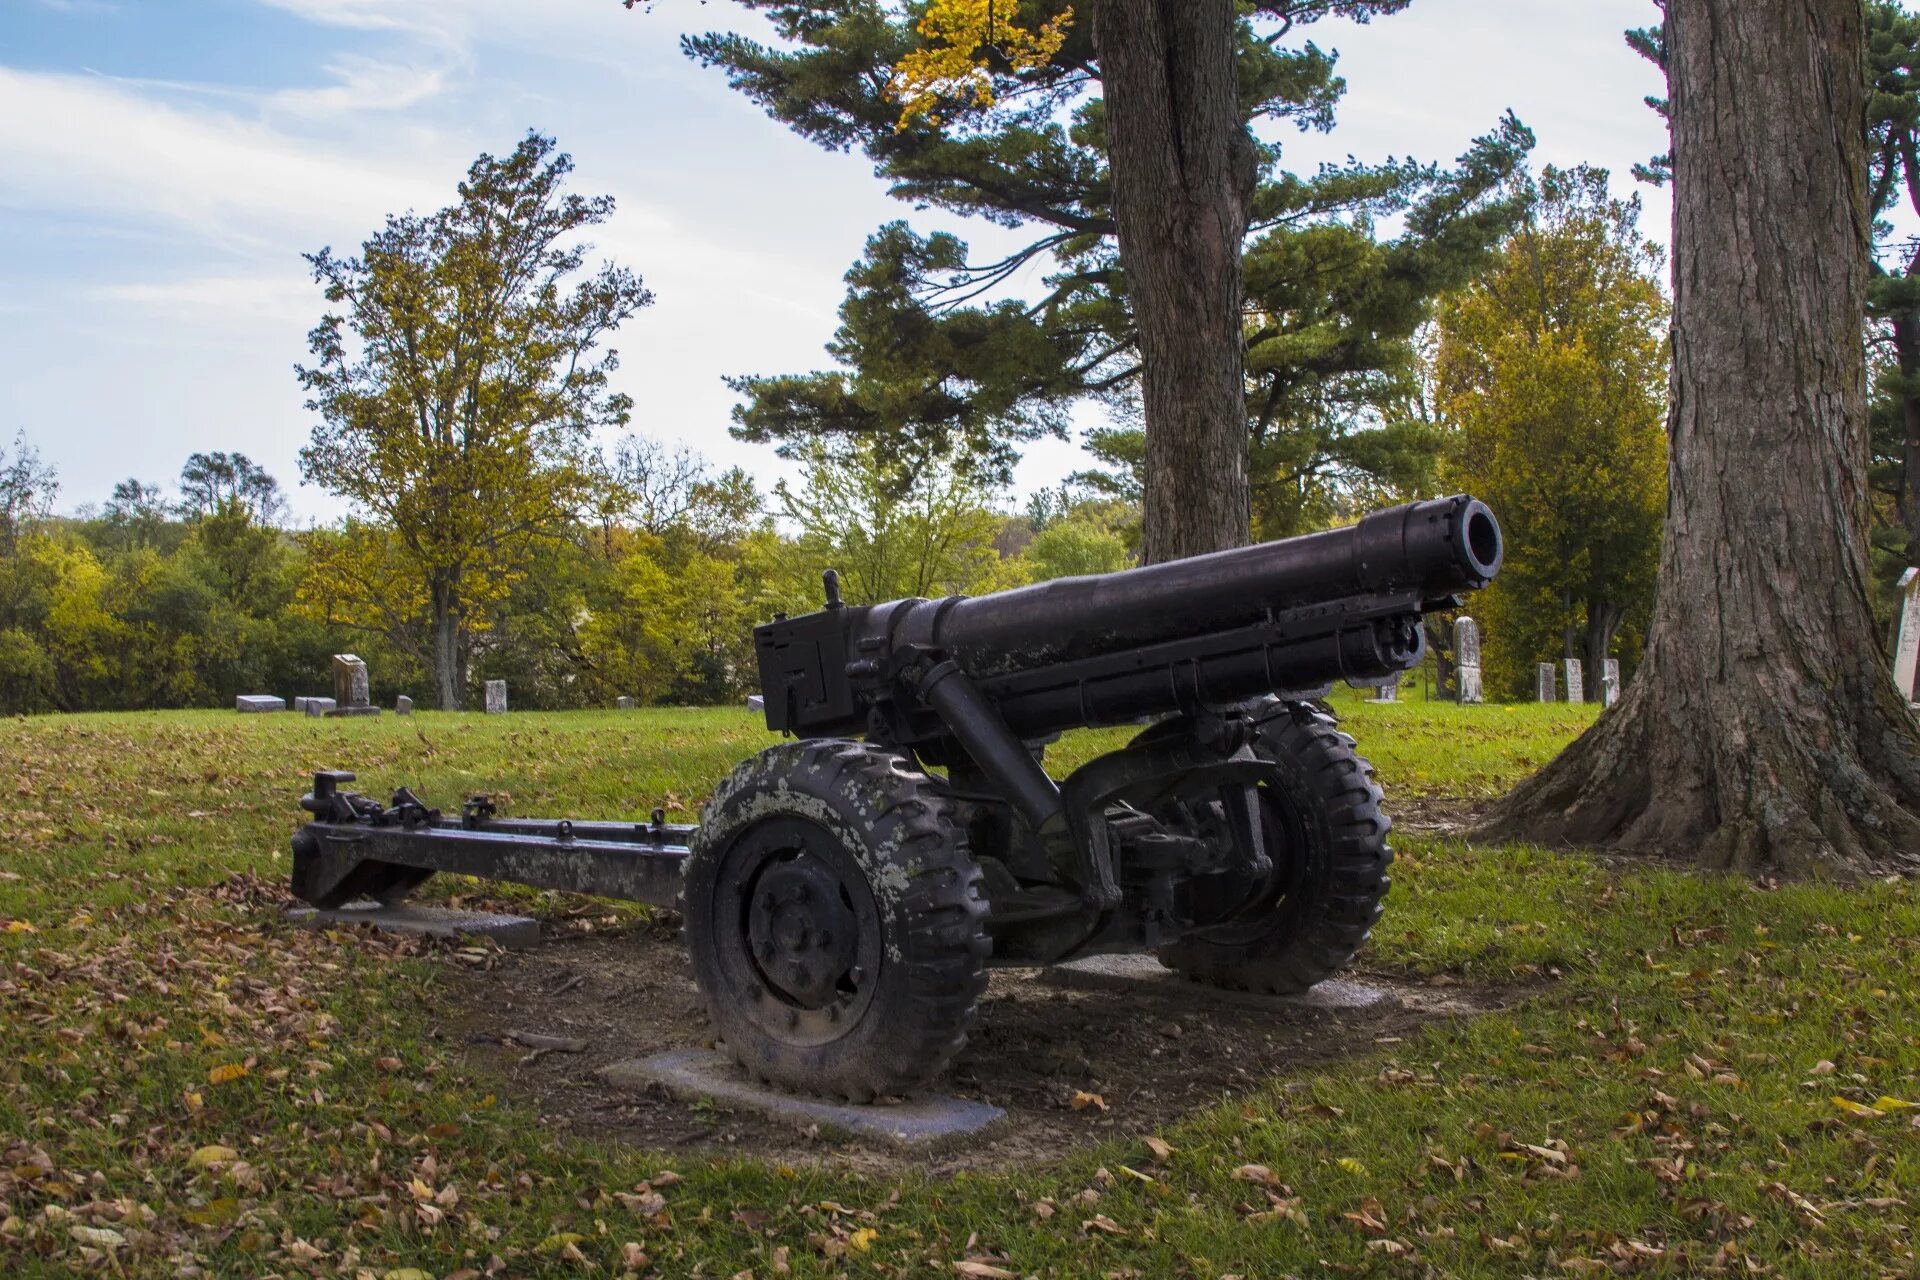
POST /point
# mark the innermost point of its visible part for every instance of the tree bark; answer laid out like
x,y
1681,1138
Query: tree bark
x,y
449,666
1603,624
1183,171
1763,729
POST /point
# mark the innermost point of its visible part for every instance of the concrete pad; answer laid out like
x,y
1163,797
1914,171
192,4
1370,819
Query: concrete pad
x,y
923,1120
1132,972
512,932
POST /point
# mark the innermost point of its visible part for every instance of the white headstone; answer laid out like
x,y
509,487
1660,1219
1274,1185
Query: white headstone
x,y
259,702
317,707
1610,682
1388,692
1906,654
403,705
1576,680
1466,660
1546,688
496,697
623,704
756,703
350,681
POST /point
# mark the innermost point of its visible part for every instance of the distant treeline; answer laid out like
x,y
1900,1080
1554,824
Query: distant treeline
x,y
186,600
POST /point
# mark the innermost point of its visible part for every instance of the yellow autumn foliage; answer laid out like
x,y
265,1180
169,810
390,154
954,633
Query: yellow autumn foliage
x,y
963,36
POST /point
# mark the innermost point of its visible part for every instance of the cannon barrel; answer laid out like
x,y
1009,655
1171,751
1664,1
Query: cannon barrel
x,y
1437,548
1212,629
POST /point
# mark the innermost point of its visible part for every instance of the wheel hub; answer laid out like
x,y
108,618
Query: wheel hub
x,y
802,933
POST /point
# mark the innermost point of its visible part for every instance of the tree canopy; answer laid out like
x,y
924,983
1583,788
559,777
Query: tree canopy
x,y
1551,375
458,387
934,352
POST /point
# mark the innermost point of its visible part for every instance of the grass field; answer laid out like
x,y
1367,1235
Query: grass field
x,y
1710,1077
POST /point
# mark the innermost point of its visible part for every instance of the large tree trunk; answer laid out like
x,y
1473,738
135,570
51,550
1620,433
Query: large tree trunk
x,y
1763,729
1183,172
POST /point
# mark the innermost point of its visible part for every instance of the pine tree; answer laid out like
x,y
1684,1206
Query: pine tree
x,y
1188,273
1764,728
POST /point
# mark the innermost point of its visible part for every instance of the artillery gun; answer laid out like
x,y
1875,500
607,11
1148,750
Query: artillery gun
x,y
845,893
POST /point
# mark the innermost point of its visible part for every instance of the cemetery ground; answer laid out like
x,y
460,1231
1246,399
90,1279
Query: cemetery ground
x,y
1594,1067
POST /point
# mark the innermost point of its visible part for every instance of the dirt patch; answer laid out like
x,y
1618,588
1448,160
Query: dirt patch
x,y
1446,817
1153,1055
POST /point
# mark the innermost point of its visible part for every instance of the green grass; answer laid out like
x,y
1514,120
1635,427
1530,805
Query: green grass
x,y
1663,1104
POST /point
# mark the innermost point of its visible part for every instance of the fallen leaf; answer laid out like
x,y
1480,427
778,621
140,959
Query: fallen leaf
x,y
1101,1222
559,1243
983,1271
1890,1105
227,1073
1158,1146
1082,1100
1258,1173
1853,1108
98,1237
207,1157
862,1240
1351,1165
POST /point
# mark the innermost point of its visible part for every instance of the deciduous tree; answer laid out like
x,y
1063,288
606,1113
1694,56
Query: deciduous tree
x,y
459,383
1551,372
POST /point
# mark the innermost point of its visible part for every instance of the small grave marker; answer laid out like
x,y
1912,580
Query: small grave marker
x,y
1466,661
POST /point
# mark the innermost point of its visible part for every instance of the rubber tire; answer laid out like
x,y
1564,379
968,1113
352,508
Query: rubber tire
x,y
1314,933
893,819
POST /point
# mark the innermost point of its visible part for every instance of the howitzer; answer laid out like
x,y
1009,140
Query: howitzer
x,y
844,894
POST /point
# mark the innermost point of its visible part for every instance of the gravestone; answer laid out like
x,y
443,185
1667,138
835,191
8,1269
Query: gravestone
x,y
623,704
1388,692
317,707
403,705
1906,653
257,702
1576,681
350,695
1466,661
1610,682
756,703
1545,687
496,697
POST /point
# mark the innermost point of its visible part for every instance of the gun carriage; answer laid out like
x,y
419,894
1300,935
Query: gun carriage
x,y
846,891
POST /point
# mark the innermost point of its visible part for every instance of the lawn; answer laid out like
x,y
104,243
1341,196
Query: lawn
x,y
1711,1076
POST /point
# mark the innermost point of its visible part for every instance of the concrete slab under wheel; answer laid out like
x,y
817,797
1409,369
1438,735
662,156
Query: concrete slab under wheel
x,y
923,1120
1130,973
512,932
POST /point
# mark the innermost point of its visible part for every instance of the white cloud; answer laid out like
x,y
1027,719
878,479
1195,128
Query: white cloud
x,y
83,144
364,84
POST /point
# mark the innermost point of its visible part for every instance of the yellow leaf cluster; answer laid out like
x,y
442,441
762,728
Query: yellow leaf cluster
x,y
955,65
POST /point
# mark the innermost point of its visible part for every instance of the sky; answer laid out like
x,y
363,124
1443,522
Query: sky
x,y
163,166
